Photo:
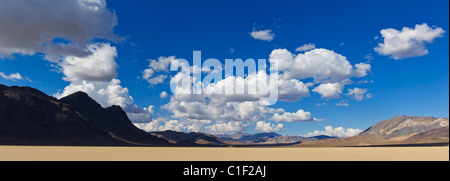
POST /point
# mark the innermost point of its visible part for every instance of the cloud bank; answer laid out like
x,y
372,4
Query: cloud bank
x,y
54,27
320,70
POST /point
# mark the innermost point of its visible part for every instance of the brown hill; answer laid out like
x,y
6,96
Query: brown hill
x,y
30,117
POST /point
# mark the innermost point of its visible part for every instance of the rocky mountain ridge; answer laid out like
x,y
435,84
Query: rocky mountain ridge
x,y
30,117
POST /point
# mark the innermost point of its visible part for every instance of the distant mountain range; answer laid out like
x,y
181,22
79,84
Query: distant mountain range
x,y
30,117
267,138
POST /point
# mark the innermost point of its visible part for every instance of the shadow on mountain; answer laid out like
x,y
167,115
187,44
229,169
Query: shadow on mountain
x,y
189,139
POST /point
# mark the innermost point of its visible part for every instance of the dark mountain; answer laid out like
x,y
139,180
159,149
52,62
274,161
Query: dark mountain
x,y
258,136
30,117
190,139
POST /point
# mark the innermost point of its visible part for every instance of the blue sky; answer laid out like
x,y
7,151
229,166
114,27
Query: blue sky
x,y
417,85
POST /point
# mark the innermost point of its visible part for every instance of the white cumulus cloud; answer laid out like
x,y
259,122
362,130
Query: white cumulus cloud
x,y
100,65
299,116
330,90
342,103
408,42
159,65
327,71
163,95
267,127
337,132
265,35
12,76
236,107
319,64
305,47
359,94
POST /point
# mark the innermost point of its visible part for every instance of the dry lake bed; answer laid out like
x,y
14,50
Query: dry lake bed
x,y
79,153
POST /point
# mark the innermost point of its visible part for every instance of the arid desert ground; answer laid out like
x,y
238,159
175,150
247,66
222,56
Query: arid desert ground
x,y
71,153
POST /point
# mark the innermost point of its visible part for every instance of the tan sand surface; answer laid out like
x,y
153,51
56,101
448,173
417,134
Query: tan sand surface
x,y
73,153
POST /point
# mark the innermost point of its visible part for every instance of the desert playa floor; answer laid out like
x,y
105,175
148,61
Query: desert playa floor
x,y
73,153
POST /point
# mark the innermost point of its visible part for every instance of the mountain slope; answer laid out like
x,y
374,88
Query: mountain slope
x,y
401,126
30,117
